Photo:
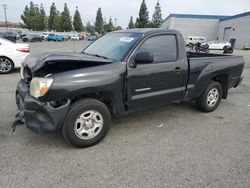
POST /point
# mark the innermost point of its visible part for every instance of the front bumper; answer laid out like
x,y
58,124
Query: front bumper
x,y
40,117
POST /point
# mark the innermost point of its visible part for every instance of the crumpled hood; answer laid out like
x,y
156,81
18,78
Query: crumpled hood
x,y
37,61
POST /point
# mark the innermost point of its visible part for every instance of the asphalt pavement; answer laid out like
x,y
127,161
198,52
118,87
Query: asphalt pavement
x,y
170,146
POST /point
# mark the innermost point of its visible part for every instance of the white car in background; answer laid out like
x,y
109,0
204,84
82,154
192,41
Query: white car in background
x,y
218,45
11,55
75,37
44,36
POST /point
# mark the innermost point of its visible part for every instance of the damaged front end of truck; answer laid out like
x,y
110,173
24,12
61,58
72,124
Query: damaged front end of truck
x,y
49,82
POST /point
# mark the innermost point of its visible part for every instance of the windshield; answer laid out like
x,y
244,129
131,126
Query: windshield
x,y
113,45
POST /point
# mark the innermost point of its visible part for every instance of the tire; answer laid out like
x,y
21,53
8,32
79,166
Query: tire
x,y
210,98
230,51
6,65
87,123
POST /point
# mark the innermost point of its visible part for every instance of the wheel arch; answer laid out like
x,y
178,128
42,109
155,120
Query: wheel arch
x,y
223,80
104,96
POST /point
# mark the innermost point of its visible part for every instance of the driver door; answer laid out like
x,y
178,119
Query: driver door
x,y
159,82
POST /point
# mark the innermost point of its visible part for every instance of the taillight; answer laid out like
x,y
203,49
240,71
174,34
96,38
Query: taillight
x,y
24,50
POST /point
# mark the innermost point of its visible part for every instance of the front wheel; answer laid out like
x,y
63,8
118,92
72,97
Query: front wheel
x,y
87,123
210,98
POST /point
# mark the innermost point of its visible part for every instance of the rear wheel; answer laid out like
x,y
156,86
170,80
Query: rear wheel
x,y
230,50
87,123
6,65
210,98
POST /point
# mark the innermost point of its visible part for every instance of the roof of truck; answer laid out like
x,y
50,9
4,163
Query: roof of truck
x,y
147,30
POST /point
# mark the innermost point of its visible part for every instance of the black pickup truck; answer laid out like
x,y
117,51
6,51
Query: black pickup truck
x,y
118,73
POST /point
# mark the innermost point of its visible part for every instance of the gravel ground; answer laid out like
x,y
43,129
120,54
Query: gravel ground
x,y
171,146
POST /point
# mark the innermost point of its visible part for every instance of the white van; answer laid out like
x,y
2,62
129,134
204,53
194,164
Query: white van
x,y
195,39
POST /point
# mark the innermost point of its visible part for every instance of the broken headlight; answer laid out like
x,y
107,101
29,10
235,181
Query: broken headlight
x,y
40,86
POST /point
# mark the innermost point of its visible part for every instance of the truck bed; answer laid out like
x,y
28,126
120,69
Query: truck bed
x,y
202,66
200,55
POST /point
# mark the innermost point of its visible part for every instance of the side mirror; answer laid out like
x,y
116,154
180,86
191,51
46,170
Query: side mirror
x,y
144,57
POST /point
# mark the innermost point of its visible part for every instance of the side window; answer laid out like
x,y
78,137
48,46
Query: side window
x,y
163,47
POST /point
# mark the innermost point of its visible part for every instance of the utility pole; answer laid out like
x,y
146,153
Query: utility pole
x,y
115,21
4,8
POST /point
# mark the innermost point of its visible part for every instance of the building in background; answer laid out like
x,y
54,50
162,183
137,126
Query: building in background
x,y
213,27
10,24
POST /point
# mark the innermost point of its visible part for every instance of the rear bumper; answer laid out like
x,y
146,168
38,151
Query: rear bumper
x,y
39,117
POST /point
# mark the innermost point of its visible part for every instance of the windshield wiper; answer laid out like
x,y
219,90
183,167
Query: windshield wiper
x,y
97,55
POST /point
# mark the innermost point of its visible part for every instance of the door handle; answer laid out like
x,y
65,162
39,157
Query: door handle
x,y
178,70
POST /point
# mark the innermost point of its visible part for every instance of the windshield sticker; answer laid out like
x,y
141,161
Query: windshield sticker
x,y
126,39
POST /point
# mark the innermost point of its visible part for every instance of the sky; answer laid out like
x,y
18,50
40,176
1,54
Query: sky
x,y
123,9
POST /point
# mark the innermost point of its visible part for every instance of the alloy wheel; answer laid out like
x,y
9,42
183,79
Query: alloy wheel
x,y
5,65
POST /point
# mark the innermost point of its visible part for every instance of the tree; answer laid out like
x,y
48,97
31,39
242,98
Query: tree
x,y
42,20
118,28
58,23
99,27
157,16
143,20
110,26
26,17
105,25
53,14
34,17
90,28
66,19
131,24
137,23
46,22
77,23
